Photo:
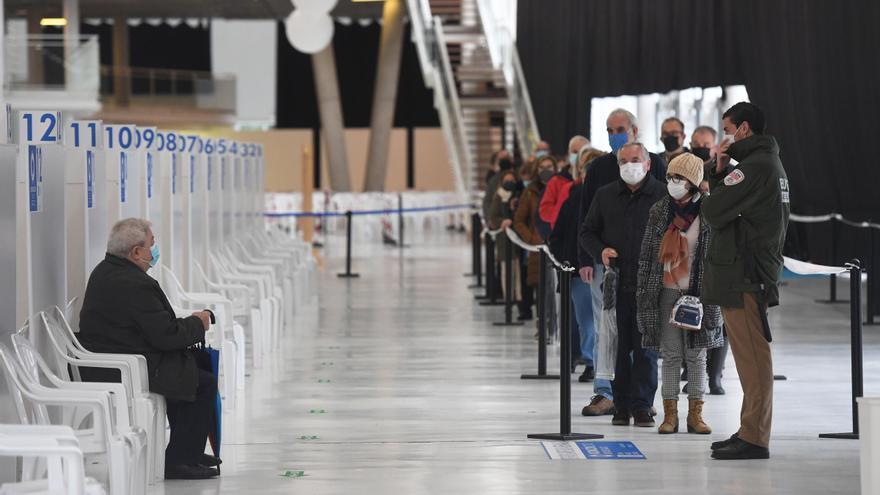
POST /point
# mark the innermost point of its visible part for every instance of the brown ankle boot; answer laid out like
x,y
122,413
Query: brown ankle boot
x,y
695,421
670,417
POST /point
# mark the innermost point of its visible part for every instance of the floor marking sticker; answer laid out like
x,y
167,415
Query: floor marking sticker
x,y
592,450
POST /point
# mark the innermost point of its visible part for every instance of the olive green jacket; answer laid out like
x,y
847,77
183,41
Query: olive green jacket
x,y
748,211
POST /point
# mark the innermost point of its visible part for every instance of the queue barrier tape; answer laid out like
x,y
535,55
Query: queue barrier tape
x,y
803,268
832,216
387,211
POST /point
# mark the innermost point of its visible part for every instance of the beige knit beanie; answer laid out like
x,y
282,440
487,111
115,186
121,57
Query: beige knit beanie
x,y
688,166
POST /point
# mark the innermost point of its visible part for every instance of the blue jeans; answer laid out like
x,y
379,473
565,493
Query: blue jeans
x,y
600,386
582,304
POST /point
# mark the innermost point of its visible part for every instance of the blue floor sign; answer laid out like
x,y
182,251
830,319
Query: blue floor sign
x,y
592,450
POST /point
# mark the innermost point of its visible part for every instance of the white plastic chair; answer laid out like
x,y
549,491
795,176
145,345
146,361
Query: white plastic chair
x,y
64,475
224,333
121,453
148,409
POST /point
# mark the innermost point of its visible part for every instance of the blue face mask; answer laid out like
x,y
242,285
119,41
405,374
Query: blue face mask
x,y
572,159
526,182
617,141
541,153
154,251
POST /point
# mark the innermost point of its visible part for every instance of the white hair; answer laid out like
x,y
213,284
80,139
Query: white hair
x,y
633,121
127,234
645,155
577,139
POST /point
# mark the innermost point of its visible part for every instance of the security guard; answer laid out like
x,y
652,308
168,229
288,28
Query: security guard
x,y
748,211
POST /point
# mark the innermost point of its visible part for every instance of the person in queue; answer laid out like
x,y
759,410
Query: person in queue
x,y
563,242
748,212
703,142
622,127
542,149
526,214
613,230
527,177
495,164
672,136
501,217
557,188
125,311
703,145
671,263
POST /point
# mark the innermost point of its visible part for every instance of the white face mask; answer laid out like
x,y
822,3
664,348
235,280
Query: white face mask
x,y
572,159
677,188
632,173
730,138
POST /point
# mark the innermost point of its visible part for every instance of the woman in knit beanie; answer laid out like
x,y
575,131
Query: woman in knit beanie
x,y
670,266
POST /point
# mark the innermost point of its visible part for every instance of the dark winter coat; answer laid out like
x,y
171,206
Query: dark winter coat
x,y
126,312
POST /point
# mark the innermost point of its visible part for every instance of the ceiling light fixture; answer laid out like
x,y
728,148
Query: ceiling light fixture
x,y
53,21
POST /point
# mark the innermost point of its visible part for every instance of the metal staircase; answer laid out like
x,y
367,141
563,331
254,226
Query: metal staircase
x,y
480,92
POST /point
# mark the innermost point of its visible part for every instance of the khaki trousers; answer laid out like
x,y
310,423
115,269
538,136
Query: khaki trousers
x,y
754,364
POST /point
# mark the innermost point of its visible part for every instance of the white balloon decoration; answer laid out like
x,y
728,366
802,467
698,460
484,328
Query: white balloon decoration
x,y
307,31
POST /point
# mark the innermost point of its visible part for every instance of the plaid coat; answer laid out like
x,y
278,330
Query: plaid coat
x,y
650,283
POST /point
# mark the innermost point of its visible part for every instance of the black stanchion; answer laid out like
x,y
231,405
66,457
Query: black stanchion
x,y
565,433
491,298
873,273
855,295
348,273
542,324
400,220
508,294
476,255
832,298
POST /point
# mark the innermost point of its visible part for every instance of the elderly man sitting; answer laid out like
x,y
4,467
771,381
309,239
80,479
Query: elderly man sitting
x,y
125,311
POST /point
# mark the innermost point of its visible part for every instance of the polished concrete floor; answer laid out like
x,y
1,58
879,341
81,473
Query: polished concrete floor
x,y
397,382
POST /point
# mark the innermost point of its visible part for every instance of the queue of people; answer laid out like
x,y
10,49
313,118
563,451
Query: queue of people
x,y
695,235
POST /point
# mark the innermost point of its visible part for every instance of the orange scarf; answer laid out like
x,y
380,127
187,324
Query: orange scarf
x,y
674,246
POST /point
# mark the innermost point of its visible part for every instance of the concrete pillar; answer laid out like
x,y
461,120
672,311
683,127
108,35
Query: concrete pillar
x,y
71,40
385,92
330,108
121,73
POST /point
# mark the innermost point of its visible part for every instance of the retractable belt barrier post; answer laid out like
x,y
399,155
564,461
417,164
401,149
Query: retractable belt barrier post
x,y
491,273
855,287
542,323
509,282
873,272
565,433
348,273
400,220
475,251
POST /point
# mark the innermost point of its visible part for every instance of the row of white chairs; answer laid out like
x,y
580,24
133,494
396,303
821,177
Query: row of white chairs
x,y
254,286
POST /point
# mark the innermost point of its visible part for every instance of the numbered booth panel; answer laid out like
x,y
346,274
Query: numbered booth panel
x,y
145,149
123,173
86,199
9,320
41,213
166,216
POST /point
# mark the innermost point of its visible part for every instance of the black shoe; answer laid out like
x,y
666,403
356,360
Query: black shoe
x,y
643,419
621,418
724,443
716,389
210,460
740,449
189,472
588,375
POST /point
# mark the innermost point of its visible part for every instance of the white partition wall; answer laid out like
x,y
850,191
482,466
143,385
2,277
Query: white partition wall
x,y
41,277
145,149
86,201
123,173
9,321
166,188
201,222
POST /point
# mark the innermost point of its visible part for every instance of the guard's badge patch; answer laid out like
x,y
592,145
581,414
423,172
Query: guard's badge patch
x,y
734,178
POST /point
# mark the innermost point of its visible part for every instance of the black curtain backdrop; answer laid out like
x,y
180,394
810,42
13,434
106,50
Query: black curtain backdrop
x,y
159,47
811,65
356,49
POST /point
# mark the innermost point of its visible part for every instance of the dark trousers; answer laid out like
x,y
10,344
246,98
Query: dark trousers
x,y
191,421
635,375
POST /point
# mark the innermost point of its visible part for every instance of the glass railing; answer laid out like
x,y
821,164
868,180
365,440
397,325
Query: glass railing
x,y
504,55
41,63
187,88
